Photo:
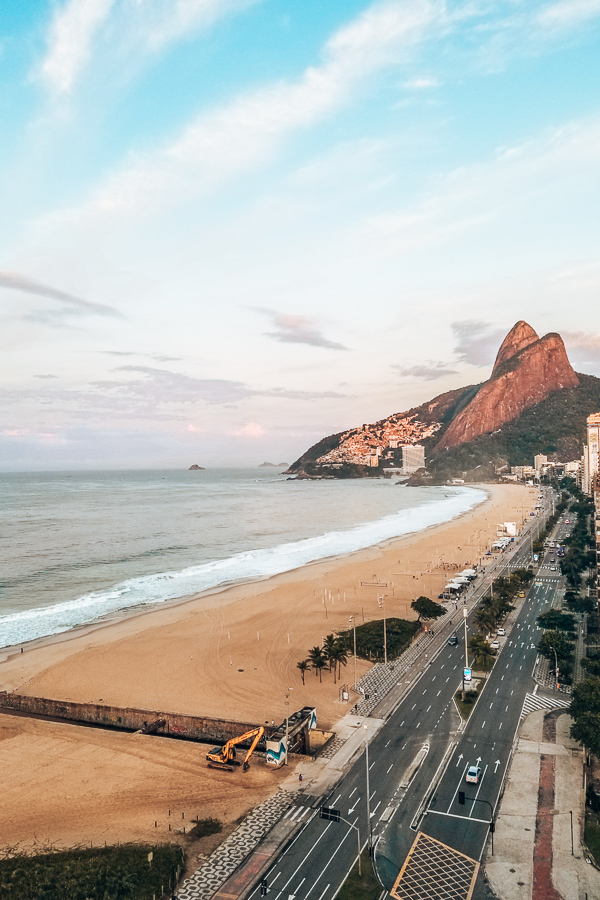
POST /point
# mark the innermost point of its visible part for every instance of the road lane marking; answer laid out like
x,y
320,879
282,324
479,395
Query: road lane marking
x,y
477,793
390,768
483,726
353,792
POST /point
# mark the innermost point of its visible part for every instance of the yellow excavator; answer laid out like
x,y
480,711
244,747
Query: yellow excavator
x,y
224,757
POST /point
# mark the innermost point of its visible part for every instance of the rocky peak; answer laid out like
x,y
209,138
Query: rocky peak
x,y
521,378
520,336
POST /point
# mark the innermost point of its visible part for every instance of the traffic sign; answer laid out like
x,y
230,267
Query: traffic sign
x,y
327,812
467,674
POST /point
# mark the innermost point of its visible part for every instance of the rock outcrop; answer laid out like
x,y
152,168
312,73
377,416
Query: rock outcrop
x,y
520,336
527,370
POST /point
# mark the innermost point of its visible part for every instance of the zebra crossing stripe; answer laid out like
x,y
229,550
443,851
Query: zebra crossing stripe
x,y
535,702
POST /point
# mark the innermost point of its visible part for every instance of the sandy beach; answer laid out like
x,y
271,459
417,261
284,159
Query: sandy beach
x,y
231,655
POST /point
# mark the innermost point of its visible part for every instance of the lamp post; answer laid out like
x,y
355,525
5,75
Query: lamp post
x,y
353,623
287,716
381,602
465,614
368,788
556,669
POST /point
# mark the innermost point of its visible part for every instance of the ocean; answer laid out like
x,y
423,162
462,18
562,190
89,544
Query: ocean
x,y
78,547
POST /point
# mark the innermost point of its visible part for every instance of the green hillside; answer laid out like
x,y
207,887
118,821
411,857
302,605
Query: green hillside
x,y
556,427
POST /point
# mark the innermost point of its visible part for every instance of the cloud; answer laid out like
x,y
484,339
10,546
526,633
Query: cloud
x,y
15,282
420,84
251,430
583,349
428,371
248,130
158,357
164,386
294,329
72,31
477,342
133,31
568,13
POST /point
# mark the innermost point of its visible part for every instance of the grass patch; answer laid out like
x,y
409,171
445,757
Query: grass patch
x,y
466,706
369,638
107,873
361,887
204,827
592,834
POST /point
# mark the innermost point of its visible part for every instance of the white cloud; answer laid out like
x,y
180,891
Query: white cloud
x,y
251,430
138,28
420,84
568,13
70,38
249,129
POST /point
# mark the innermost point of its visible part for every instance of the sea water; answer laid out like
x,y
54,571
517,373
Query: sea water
x,y
77,547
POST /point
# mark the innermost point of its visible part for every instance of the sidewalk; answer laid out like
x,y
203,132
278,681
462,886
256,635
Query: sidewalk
x,y
230,873
532,844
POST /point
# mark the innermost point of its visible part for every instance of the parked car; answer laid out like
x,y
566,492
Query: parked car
x,y
501,632
495,645
521,593
473,773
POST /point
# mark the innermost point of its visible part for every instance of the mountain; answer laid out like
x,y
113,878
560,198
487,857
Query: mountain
x,y
533,402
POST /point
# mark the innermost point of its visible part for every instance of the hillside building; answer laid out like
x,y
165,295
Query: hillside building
x,y
413,458
539,461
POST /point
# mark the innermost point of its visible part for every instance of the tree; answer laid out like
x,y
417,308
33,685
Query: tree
x,y
553,620
485,618
427,609
553,642
304,666
338,655
585,712
329,648
317,660
481,649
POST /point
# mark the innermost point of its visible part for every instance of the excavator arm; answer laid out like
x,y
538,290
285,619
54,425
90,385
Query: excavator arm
x,y
223,757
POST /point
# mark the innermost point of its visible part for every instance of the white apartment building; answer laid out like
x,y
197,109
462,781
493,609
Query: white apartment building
x,y
413,458
539,461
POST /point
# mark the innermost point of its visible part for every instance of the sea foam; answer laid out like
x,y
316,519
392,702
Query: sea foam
x,y
151,590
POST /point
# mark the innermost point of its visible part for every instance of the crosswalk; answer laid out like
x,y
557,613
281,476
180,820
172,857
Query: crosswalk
x,y
535,702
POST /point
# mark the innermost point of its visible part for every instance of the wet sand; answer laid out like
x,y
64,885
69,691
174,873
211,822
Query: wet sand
x,y
232,655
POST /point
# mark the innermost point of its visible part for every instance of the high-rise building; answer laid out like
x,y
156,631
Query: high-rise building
x,y
413,458
591,462
539,461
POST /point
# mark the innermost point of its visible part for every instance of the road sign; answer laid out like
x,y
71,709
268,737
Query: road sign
x,y
467,674
327,812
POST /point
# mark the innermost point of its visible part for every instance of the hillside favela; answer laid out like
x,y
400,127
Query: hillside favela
x,y
300,450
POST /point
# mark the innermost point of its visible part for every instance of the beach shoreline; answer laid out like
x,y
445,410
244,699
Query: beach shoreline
x,y
232,654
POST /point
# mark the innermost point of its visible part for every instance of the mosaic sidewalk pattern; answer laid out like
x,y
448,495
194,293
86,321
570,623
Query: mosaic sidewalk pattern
x,y
207,880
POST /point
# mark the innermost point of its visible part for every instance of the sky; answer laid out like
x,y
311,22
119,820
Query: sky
x,y
232,227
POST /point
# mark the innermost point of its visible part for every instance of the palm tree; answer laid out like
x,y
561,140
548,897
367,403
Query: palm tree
x,y
317,660
340,657
328,648
304,666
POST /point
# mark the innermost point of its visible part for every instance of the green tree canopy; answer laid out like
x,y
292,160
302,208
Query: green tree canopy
x,y
585,711
555,641
427,609
553,620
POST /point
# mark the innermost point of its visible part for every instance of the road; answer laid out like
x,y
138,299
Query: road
x,y
424,724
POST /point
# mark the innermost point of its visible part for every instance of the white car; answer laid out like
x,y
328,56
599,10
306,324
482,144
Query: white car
x,y
495,645
501,632
473,773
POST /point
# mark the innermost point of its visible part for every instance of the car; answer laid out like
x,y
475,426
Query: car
x,y
553,568
453,640
473,773
567,522
521,593
495,645
501,632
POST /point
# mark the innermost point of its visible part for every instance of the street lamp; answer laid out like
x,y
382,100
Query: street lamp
x,y
287,715
381,602
556,669
368,788
353,623
465,614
